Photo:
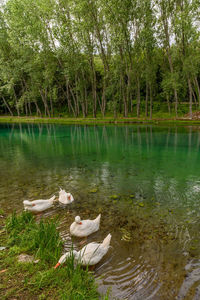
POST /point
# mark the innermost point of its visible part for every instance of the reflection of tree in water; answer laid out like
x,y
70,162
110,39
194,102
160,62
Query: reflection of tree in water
x,y
145,152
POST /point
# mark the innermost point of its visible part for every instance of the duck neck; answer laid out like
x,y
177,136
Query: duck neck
x,y
75,254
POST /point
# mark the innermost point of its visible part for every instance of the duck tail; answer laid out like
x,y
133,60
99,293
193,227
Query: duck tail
x,y
52,198
106,241
97,220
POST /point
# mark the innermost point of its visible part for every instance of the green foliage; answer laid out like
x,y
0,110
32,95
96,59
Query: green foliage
x,y
47,241
41,238
73,282
85,58
16,223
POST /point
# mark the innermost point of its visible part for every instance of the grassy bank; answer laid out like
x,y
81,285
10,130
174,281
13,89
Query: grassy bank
x,y
159,119
38,279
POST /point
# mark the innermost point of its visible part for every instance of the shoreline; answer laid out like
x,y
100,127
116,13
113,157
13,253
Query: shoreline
x,y
100,121
31,249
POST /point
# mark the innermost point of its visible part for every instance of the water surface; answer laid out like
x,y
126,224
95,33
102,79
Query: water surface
x,y
144,180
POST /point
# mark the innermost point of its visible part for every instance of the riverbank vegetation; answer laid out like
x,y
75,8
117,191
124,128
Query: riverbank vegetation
x,y
88,58
98,121
38,279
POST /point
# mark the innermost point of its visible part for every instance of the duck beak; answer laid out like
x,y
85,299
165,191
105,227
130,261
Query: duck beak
x,y
57,265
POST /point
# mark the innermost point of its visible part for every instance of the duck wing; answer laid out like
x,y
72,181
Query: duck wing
x,y
92,253
84,229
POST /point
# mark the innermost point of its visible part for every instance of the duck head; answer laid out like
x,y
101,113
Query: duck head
x,y
64,197
78,220
69,196
65,256
28,203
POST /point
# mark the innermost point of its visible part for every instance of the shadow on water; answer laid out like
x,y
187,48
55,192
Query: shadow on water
x,y
145,182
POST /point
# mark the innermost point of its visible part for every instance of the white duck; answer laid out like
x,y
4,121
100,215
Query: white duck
x,y
65,198
83,228
38,205
91,254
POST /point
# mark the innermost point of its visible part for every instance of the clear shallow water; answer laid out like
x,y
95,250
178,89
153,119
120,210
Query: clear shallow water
x,y
144,180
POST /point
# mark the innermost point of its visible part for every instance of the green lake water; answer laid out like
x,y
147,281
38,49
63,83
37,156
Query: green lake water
x,y
144,180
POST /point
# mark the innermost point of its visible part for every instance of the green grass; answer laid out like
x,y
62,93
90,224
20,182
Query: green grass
x,y
22,234
71,282
41,238
158,118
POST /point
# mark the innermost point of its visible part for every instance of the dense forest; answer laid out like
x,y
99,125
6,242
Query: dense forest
x,y
99,57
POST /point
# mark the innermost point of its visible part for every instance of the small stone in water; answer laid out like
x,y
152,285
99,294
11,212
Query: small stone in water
x,y
2,248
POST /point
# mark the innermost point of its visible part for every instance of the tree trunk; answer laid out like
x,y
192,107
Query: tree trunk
x,y
26,110
138,97
168,105
7,105
68,99
51,106
190,94
103,100
176,102
47,107
43,96
115,110
38,111
146,100
94,89
128,87
122,75
29,107
198,89
125,105
194,96
167,41
70,106
124,97
17,108
151,102
86,101
74,99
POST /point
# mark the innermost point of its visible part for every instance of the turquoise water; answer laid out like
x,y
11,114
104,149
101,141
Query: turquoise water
x,y
145,181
